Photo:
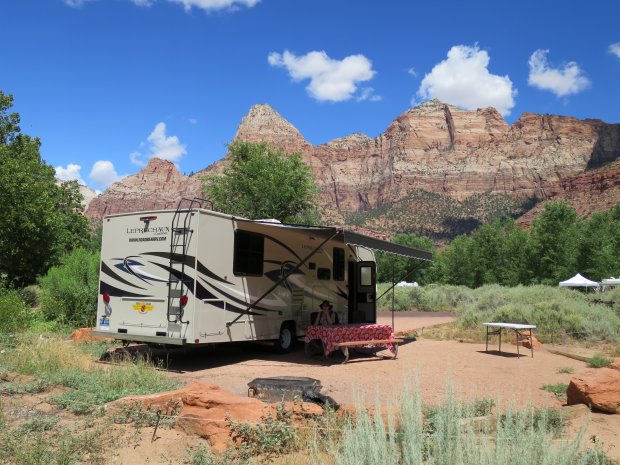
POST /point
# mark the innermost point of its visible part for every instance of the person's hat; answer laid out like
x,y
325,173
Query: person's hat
x,y
326,302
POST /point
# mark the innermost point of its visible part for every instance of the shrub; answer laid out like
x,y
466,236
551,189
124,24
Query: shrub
x,y
599,361
59,362
69,291
15,315
30,294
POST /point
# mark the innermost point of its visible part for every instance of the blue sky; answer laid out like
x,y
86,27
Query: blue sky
x,y
106,84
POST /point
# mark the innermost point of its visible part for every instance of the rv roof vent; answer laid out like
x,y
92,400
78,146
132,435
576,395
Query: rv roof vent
x,y
270,220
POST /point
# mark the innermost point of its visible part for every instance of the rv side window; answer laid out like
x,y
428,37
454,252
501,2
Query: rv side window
x,y
365,276
323,274
338,264
249,251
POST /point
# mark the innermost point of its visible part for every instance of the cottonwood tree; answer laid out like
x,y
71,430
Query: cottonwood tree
x,y
40,219
263,182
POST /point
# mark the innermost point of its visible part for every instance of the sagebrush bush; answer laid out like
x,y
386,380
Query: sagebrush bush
x,y
15,314
69,291
448,434
552,309
30,294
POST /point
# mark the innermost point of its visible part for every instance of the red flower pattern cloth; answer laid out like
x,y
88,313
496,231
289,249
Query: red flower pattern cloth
x,y
333,334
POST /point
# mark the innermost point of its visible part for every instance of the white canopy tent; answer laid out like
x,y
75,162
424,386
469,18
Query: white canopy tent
x,y
578,281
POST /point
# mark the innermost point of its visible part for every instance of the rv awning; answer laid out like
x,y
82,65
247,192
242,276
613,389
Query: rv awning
x,y
353,238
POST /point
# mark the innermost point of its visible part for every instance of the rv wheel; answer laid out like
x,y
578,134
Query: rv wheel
x,y
287,338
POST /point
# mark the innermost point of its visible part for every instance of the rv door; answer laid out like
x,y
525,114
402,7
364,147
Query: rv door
x,y
362,292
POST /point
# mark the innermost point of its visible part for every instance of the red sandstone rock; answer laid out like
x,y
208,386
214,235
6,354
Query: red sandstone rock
x,y
204,410
158,186
598,388
82,335
524,341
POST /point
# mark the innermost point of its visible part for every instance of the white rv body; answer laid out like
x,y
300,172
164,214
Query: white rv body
x,y
226,277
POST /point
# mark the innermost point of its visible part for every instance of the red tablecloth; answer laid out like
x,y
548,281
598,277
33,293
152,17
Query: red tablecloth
x,y
344,333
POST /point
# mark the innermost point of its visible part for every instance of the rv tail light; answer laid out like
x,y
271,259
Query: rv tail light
x,y
106,297
184,300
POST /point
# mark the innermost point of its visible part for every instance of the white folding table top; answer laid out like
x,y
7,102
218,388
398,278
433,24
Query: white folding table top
x,y
509,325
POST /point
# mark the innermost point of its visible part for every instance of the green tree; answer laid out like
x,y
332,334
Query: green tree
x,y
494,253
69,290
599,246
554,242
403,265
262,182
40,219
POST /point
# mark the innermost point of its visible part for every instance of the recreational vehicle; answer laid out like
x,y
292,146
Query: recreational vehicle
x,y
196,276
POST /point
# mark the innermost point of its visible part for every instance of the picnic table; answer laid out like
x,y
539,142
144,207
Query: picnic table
x,y
520,333
342,337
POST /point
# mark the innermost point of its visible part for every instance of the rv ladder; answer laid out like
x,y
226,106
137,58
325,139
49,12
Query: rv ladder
x,y
180,237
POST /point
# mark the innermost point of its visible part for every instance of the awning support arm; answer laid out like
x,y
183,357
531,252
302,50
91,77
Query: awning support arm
x,y
399,280
284,277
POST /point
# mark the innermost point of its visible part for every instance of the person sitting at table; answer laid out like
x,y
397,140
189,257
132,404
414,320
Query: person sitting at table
x,y
326,316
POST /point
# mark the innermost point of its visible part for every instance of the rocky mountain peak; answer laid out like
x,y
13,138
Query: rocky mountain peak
x,y
263,123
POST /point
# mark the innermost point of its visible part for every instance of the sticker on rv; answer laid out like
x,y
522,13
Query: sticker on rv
x,y
143,307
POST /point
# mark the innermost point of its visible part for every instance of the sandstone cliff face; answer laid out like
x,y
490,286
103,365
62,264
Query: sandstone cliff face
x,y
452,154
442,149
595,190
158,185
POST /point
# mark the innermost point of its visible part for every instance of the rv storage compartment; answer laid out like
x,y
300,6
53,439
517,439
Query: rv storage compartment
x,y
283,388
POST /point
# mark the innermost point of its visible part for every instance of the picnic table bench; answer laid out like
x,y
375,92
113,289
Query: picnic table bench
x,y
344,346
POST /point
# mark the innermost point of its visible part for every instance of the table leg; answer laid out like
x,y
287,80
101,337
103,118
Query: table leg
x,y
345,352
531,343
517,336
487,345
500,339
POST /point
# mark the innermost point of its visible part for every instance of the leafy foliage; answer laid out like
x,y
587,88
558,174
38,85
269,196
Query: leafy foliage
x,y
261,182
558,246
15,314
40,219
69,290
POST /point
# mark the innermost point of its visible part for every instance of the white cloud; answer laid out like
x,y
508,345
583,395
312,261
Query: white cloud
x,y
563,81
193,121
332,80
368,93
463,79
412,72
160,146
76,3
103,173
207,5
614,49
211,5
71,172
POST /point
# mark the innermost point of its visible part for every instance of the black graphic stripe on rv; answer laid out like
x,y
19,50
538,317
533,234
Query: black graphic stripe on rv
x,y
105,288
342,293
207,272
235,299
107,270
177,257
232,308
128,268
